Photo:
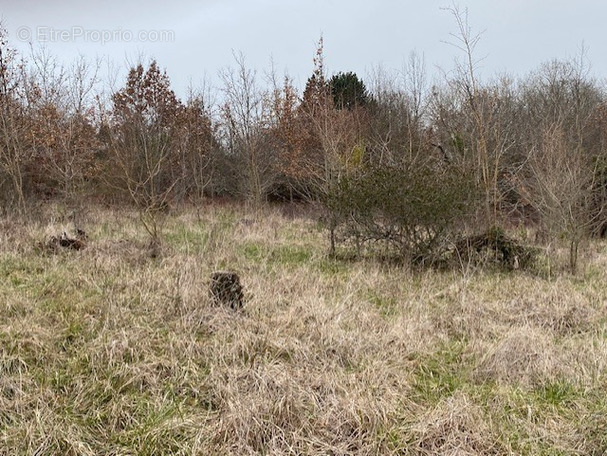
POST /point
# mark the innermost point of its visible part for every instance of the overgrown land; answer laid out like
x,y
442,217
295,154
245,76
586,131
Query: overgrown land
x,y
110,351
423,260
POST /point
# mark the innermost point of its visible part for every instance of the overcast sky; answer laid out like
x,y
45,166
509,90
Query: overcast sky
x,y
193,40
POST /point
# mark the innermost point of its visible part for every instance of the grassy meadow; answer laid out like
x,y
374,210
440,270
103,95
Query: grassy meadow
x,y
107,351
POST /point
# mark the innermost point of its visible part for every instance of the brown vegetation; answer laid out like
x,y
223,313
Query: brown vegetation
x,y
530,150
107,351
120,348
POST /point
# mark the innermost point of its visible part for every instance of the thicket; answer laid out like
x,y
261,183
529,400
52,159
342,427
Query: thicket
x,y
401,210
397,161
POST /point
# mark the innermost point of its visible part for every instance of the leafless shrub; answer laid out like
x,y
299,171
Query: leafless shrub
x,y
564,190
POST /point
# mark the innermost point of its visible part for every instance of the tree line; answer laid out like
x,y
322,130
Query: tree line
x,y
397,159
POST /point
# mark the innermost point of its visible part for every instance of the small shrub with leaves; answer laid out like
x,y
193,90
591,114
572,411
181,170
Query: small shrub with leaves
x,y
410,210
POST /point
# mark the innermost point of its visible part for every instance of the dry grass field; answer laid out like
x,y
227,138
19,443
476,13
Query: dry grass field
x,y
107,351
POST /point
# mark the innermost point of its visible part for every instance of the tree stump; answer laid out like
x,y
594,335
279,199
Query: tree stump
x,y
226,289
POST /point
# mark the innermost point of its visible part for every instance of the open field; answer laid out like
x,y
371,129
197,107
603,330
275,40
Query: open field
x,y
108,351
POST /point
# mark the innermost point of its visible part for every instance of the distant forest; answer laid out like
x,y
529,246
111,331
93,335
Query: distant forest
x,y
529,150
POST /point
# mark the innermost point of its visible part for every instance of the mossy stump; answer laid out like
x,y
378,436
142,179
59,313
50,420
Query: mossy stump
x,y
226,289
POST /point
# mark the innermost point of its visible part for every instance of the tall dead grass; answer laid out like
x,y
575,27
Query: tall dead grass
x,y
109,351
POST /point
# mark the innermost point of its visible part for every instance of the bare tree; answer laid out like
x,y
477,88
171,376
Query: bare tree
x,y
397,123
147,119
15,100
244,125
561,126
564,190
197,149
64,133
339,136
482,141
